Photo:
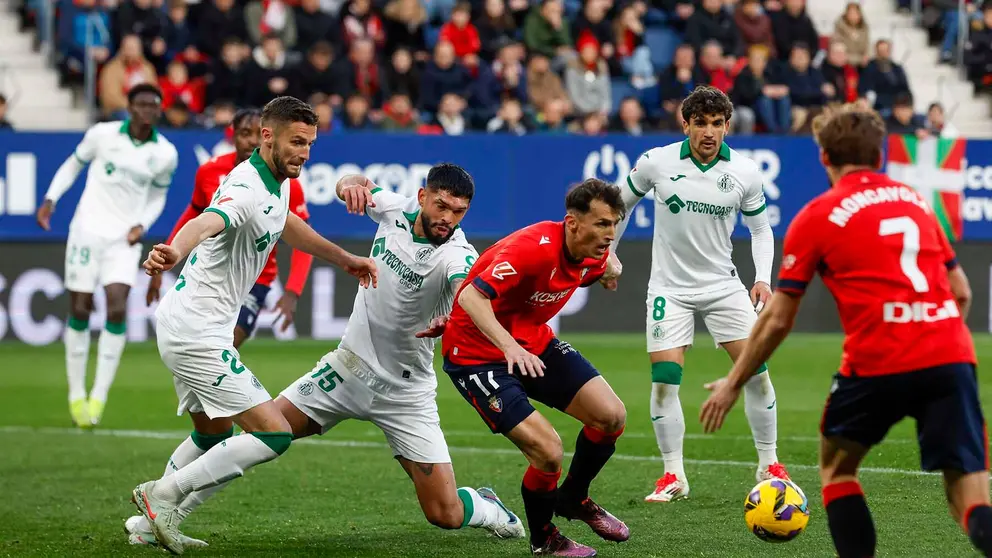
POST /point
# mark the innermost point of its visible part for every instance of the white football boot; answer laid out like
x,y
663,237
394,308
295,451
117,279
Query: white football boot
x,y
669,488
162,516
138,533
508,526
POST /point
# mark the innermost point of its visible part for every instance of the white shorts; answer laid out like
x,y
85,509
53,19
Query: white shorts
x,y
92,262
209,377
727,313
335,391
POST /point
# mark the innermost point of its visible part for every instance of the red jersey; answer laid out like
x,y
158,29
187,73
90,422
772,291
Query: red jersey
x,y
529,277
208,179
884,258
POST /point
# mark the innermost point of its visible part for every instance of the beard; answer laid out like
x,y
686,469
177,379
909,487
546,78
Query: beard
x,y
280,164
429,231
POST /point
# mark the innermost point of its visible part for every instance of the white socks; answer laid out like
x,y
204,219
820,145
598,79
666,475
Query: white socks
x,y
77,353
479,512
669,426
110,347
759,406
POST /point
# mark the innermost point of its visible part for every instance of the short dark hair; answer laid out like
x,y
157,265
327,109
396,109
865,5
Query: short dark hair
x,y
451,178
133,93
705,100
903,100
286,110
244,115
850,135
3,99
580,197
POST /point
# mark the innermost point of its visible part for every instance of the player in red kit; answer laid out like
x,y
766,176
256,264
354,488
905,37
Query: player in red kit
x,y
247,136
500,353
902,300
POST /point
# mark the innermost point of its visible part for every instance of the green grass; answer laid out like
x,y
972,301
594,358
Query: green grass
x,y
66,493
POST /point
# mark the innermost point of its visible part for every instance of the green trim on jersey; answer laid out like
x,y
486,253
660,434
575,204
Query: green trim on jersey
x,y
80,159
686,153
227,220
271,184
376,189
457,276
126,130
634,189
412,218
754,212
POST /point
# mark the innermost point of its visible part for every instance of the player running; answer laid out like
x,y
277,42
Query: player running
x,y
130,169
499,322
247,137
699,186
902,299
382,371
227,245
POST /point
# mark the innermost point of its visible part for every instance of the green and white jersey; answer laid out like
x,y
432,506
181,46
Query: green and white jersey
x,y
414,287
122,170
207,297
695,212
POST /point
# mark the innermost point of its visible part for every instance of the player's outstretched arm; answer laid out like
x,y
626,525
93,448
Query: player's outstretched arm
x,y
480,309
299,235
164,257
961,290
769,331
355,191
64,178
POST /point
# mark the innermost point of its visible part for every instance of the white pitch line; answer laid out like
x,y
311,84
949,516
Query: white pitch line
x,y
640,435
313,441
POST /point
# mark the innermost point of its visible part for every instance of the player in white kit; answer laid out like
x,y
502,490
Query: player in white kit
x,y
699,186
228,244
382,371
130,169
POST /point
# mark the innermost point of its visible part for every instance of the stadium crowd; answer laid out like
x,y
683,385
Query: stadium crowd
x,y
498,66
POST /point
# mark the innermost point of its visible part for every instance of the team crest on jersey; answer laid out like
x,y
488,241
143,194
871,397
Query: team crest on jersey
x,y
424,254
726,183
788,261
496,404
305,389
657,332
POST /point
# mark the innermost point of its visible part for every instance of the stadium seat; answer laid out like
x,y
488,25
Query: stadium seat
x,y
662,41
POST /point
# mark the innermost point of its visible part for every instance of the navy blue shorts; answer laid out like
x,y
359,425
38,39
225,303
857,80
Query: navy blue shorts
x,y
503,400
252,304
943,400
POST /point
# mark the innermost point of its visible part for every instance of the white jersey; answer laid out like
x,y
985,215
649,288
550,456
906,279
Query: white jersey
x,y
696,209
121,172
414,287
218,275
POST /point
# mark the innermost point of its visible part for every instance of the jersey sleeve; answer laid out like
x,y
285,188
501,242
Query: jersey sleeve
x,y
950,257
802,253
201,188
595,273
86,150
298,200
641,179
508,268
385,201
754,195
459,262
164,177
236,202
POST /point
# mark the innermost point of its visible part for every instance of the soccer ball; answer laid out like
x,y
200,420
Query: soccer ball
x,y
776,510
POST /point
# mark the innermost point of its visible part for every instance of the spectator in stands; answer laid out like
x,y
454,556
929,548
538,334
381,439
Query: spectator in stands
x,y
141,18
839,73
544,86
359,21
399,116
176,34
219,21
678,12
852,30
177,86
546,32
713,23
762,90
792,25
948,23
268,74
271,17
509,119
754,25
405,25
360,73
592,124
450,115
402,77
220,115
125,70
74,20
978,51
592,20
228,77
587,79
314,26
4,123
462,35
327,122
489,87
442,75
509,70
713,67
634,55
630,118
178,116
496,27
680,78
904,119
356,116
551,118
937,123
882,79
808,91
314,75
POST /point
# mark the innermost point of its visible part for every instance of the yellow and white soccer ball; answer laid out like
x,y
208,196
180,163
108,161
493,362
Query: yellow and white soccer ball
x,y
776,510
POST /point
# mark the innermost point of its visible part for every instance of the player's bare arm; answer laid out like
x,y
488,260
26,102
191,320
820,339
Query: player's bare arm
x,y
356,192
961,290
164,257
769,331
301,236
480,309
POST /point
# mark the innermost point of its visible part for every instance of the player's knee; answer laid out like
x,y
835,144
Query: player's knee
x,y
548,455
612,419
117,311
444,514
79,311
278,442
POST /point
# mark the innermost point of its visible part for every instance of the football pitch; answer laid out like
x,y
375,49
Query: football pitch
x,y
65,492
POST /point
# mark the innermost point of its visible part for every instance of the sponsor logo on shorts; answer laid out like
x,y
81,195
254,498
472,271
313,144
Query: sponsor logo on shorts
x,y
256,383
305,389
496,404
